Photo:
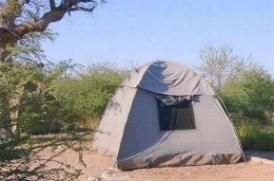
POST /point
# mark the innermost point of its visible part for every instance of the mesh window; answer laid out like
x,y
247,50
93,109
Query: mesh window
x,y
176,117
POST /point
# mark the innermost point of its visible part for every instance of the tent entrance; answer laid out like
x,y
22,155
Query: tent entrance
x,y
177,116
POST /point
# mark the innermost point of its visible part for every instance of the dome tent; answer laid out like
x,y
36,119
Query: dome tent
x,y
164,114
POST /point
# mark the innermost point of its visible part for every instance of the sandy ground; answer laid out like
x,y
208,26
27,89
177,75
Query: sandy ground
x,y
63,161
260,167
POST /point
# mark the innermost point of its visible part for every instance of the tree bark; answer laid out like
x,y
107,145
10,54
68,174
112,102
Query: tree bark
x,y
5,120
14,103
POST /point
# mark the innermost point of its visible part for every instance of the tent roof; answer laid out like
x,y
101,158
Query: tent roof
x,y
169,78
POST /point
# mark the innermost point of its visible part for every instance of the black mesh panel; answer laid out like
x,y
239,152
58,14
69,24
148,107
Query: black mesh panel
x,y
176,117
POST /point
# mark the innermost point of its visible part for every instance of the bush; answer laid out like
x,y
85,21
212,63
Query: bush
x,y
250,99
257,138
47,100
84,98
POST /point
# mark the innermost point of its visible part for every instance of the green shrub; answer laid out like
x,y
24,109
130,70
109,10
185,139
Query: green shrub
x,y
55,98
250,99
257,138
84,98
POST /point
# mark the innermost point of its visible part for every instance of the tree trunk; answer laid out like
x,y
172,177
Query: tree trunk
x,y
5,119
14,103
4,53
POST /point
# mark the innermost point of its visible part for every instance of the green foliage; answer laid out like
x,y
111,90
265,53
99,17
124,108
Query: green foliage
x,y
52,98
255,137
85,97
29,100
38,111
28,49
251,97
11,151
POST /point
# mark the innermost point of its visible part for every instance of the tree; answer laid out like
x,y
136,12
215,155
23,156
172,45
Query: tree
x,y
220,64
250,98
23,23
19,18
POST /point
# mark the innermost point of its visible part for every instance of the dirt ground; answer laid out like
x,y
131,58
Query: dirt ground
x,y
65,161
260,167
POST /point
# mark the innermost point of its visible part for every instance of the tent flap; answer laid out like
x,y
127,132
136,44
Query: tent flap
x,y
169,78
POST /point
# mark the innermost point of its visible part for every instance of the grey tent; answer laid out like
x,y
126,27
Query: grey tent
x,y
164,114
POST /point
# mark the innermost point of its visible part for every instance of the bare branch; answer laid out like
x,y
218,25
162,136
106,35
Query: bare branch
x,y
39,25
52,4
79,8
21,17
56,14
221,64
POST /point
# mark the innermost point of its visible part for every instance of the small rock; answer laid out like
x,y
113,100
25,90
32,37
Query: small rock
x,y
93,179
111,175
261,160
